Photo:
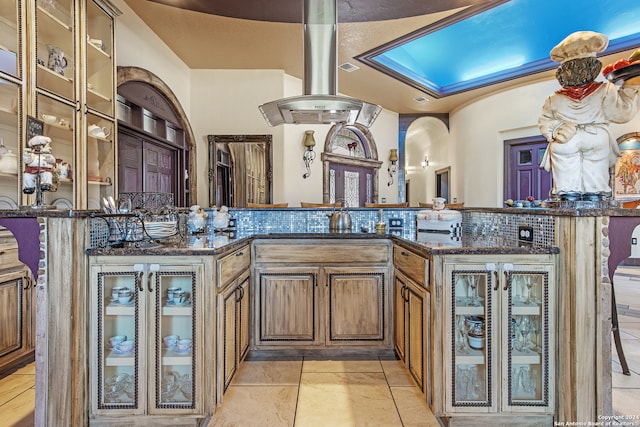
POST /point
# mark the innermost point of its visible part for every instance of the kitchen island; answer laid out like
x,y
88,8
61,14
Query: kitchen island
x,y
434,282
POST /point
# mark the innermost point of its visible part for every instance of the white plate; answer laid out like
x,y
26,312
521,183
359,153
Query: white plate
x,y
7,203
62,203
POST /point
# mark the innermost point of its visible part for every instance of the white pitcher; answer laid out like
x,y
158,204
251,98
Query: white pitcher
x,y
57,62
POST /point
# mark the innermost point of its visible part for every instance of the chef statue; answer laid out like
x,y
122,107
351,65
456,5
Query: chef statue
x,y
575,120
39,165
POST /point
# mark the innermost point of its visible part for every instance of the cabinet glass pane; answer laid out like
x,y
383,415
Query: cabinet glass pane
x,y
59,123
9,144
175,335
54,46
10,38
100,160
528,370
472,302
118,330
99,48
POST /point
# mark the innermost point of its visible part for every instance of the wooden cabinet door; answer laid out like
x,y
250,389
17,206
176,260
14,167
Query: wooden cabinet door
x,y
227,302
287,306
400,315
415,324
244,318
356,305
12,317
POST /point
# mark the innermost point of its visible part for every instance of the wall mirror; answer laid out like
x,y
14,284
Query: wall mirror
x,y
239,170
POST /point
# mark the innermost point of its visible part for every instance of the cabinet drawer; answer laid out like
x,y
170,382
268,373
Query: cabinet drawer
x,y
414,266
232,265
9,257
337,252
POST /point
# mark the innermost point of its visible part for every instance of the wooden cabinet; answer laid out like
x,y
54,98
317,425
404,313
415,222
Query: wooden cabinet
x,y
412,320
147,355
17,306
498,341
332,293
234,314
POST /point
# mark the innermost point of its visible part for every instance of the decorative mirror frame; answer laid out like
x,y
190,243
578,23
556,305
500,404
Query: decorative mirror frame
x,y
213,140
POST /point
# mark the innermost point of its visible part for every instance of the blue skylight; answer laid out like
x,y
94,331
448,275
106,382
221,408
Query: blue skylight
x,y
507,41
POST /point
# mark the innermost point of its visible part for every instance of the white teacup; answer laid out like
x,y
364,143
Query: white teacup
x,y
170,341
115,291
171,292
124,347
49,118
124,296
183,346
179,297
116,340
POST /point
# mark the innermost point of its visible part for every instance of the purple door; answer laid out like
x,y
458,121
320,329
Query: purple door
x,y
353,183
523,175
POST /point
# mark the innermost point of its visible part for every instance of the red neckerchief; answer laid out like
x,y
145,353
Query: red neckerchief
x,y
579,92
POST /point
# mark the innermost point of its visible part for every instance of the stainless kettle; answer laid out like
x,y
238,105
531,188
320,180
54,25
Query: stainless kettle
x,y
340,220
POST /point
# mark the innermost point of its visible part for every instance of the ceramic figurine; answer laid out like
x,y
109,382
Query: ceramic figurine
x,y
221,218
197,221
575,120
39,165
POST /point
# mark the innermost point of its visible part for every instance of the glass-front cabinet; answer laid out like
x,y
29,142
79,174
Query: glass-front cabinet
x,y
499,321
12,36
145,337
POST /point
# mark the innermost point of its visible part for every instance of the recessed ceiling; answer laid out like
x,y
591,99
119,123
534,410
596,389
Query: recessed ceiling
x,y
209,41
500,41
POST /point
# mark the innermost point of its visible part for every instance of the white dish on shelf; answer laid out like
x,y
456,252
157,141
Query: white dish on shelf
x,y
178,304
183,352
161,229
62,203
122,353
7,203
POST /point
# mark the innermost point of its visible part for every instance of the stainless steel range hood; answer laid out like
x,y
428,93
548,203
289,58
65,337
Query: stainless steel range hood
x,y
319,104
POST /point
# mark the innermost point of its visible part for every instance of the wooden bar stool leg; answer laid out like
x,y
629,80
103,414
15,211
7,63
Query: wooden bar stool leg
x,y
616,333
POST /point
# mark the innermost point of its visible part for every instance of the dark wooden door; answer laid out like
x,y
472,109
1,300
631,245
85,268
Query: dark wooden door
x,y
523,175
353,183
144,166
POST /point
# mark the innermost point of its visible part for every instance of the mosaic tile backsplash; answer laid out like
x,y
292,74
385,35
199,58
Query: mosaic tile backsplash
x,y
500,229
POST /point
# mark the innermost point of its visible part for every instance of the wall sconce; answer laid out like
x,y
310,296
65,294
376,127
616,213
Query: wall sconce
x,y
425,163
309,154
393,168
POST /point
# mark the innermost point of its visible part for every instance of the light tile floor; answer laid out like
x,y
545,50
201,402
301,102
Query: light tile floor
x,y
312,393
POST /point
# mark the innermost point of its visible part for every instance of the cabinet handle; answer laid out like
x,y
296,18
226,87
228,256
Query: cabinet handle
x,y
496,277
27,283
78,105
239,253
1,252
140,288
507,280
149,281
403,253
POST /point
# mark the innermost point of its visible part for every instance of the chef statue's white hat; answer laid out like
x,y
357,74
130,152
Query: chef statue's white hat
x,y
581,44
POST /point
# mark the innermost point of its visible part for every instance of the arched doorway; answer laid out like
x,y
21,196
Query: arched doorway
x,y
156,147
350,165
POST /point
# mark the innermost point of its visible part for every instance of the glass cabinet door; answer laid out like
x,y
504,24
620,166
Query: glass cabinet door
x,y
100,160
175,335
10,38
9,144
55,53
59,124
120,349
99,56
472,304
527,339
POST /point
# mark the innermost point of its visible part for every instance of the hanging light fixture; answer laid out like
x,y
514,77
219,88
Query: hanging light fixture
x,y
425,163
393,167
309,154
